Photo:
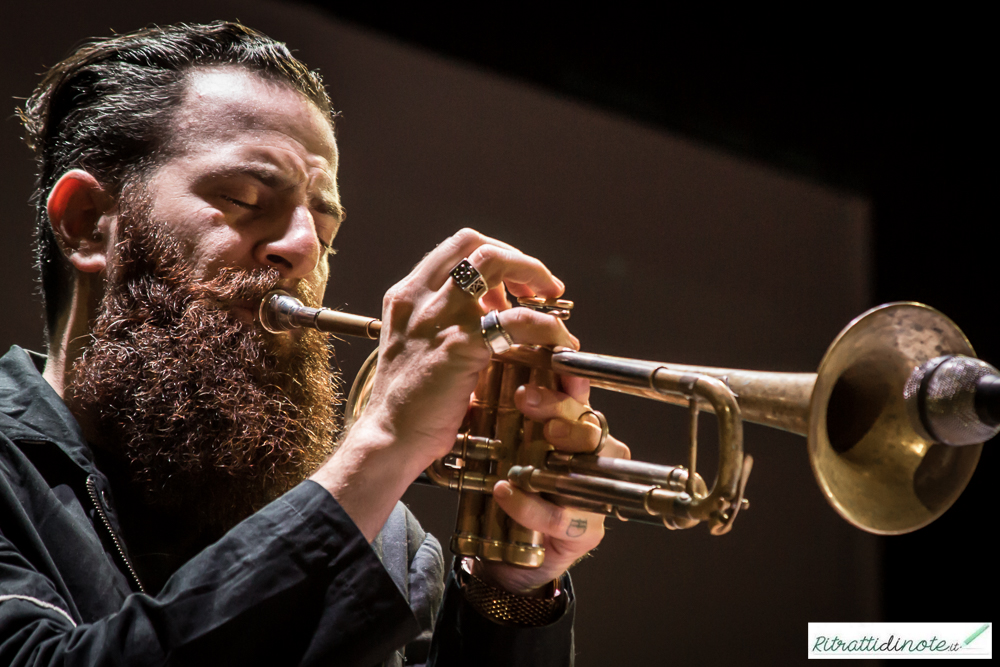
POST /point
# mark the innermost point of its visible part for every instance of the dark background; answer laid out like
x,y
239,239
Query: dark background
x,y
683,176
894,108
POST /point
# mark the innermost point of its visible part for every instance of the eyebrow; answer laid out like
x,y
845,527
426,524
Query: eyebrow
x,y
274,178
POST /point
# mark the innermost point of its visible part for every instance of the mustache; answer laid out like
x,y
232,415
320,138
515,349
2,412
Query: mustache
x,y
230,286
248,285
153,266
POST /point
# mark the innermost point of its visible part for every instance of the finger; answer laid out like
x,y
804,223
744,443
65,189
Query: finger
x,y
522,274
531,327
580,436
543,404
583,436
437,264
577,387
496,299
584,529
569,426
446,254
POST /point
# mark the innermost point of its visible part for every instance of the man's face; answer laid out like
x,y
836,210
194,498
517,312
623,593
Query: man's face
x,y
206,416
251,181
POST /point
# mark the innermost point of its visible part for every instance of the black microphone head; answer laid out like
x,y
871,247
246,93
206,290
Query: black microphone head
x,y
941,394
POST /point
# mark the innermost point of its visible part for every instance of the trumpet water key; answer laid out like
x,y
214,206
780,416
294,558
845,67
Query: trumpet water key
x,y
894,418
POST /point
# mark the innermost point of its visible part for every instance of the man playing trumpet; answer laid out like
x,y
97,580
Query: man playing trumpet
x,y
152,465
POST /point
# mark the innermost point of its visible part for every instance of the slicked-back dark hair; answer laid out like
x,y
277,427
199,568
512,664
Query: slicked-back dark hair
x,y
108,108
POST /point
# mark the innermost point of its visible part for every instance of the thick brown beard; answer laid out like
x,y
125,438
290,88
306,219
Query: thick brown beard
x,y
207,417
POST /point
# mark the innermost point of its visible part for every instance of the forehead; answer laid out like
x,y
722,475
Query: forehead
x,y
229,109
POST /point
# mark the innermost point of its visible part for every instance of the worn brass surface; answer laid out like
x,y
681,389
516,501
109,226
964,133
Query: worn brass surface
x,y
878,469
872,464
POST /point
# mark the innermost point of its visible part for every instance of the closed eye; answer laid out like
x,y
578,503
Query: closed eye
x,y
327,248
241,204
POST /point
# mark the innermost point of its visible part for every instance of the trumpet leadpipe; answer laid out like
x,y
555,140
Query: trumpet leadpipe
x,y
774,399
280,311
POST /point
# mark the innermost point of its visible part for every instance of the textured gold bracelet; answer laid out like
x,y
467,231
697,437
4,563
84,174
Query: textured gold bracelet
x,y
507,608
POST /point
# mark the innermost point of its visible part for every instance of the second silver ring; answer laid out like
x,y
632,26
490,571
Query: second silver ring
x,y
495,336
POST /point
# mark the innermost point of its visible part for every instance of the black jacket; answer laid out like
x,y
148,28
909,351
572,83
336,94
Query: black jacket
x,y
294,584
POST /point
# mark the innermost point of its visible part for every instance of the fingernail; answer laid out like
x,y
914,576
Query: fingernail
x,y
558,428
502,491
532,396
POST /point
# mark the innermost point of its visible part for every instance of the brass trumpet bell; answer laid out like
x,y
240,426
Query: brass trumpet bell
x,y
871,460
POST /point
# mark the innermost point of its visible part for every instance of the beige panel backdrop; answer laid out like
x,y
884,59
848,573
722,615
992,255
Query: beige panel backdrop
x,y
672,250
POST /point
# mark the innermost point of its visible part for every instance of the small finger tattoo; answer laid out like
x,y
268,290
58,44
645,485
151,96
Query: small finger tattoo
x,y
577,527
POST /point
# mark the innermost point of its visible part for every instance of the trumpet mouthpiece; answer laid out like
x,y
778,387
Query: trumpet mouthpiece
x,y
277,311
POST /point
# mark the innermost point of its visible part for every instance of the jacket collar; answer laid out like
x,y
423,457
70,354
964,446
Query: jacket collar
x,y
31,410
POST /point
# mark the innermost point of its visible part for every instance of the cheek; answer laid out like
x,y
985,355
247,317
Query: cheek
x,y
211,244
317,282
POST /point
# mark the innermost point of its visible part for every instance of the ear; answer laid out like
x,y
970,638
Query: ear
x,y
77,206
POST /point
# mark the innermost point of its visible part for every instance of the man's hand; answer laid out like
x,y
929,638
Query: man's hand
x,y
430,355
569,533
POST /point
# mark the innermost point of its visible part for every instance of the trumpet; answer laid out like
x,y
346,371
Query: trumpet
x,y
894,418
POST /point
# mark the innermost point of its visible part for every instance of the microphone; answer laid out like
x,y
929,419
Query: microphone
x,y
955,400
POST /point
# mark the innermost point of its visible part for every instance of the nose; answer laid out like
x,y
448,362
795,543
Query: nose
x,y
292,247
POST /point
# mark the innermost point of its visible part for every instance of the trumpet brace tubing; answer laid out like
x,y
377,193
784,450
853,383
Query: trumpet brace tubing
x,y
646,492
629,490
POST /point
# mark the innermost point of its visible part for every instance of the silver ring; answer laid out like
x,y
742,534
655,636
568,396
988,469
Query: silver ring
x,y
604,428
496,337
469,279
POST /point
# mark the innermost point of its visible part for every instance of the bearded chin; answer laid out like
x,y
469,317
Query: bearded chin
x,y
205,417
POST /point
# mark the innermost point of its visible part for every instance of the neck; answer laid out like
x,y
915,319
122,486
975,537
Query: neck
x,y
69,340
71,336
